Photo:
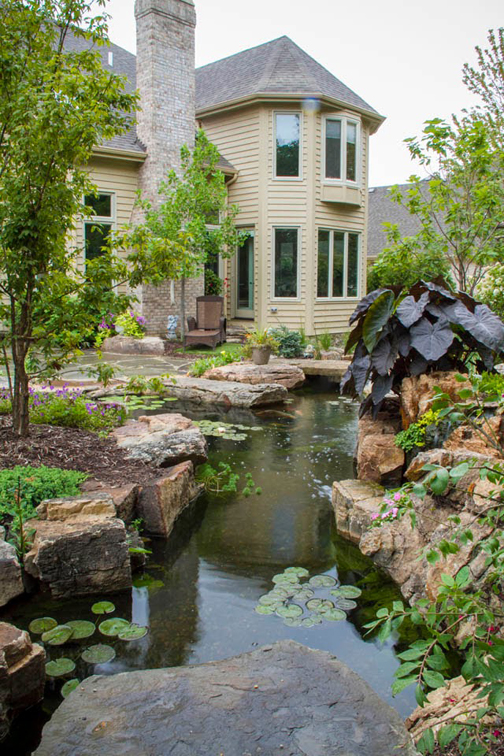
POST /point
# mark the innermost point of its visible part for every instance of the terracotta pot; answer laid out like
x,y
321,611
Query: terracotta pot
x,y
261,355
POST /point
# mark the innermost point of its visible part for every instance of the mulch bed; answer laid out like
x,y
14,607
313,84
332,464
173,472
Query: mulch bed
x,y
72,449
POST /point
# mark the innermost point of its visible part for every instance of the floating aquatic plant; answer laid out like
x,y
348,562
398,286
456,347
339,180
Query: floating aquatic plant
x,y
99,654
225,430
69,686
149,582
103,607
59,667
113,627
289,593
42,625
58,635
133,632
81,629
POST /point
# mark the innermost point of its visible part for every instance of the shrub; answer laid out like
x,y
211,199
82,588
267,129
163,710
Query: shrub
x,y
37,484
132,324
408,262
399,332
259,338
207,363
290,343
491,289
415,436
68,408
324,341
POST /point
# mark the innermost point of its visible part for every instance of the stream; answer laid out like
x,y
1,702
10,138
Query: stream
x,y
199,590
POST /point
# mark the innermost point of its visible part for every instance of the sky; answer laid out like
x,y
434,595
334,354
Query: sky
x,y
404,57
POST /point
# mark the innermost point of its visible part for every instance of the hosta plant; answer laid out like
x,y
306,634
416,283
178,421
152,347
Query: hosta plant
x,y
399,333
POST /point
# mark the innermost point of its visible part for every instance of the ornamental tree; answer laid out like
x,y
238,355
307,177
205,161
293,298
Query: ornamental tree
x,y
55,106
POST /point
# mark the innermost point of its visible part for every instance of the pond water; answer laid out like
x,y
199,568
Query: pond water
x,y
200,588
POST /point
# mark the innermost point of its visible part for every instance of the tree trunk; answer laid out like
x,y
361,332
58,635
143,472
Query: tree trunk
x,y
182,311
20,411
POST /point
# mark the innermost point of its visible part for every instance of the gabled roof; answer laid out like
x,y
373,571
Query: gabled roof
x,y
381,209
278,67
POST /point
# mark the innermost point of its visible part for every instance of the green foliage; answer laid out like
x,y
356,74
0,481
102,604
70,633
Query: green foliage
x,y
290,343
55,106
230,431
259,338
414,436
36,484
407,260
491,289
199,367
224,481
399,332
130,324
213,284
324,341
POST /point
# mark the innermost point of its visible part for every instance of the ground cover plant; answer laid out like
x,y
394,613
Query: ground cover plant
x,y
405,332
224,357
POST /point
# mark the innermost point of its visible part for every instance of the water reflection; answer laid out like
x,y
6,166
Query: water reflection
x,y
205,581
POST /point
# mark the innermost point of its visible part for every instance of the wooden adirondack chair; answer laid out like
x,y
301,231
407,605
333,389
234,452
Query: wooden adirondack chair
x,y
209,326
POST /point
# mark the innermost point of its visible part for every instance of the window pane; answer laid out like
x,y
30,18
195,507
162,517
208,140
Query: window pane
x,y
333,149
351,150
286,262
287,145
323,264
95,236
338,263
353,265
102,205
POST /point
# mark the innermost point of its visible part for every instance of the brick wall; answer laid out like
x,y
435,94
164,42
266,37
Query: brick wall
x,y
166,80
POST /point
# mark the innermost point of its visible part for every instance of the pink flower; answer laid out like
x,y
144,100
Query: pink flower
x,y
385,514
375,516
490,643
397,496
394,512
496,733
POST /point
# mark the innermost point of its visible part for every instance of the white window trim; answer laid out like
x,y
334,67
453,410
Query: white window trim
x,y
301,126
358,152
330,297
273,250
96,220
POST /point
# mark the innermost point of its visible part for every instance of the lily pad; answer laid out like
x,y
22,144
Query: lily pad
x,y
325,606
322,581
304,594
42,625
289,611
113,627
59,667
58,635
81,629
307,622
147,581
346,604
347,591
299,571
103,607
284,578
99,654
293,621
133,632
268,600
333,615
313,604
316,618
281,591
69,686
261,609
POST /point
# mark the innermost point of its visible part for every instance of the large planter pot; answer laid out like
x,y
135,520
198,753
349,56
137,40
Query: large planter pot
x,y
261,355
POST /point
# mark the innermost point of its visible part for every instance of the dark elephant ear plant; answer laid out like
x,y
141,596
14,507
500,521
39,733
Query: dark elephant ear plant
x,y
399,333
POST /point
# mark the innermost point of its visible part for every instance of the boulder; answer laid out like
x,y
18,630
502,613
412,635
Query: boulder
x,y
378,458
163,440
127,345
284,698
417,393
125,501
227,393
443,457
354,501
464,437
22,673
11,577
77,507
80,557
332,369
290,376
161,502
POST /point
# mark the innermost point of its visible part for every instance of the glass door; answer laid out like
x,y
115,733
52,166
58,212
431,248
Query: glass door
x,y
245,279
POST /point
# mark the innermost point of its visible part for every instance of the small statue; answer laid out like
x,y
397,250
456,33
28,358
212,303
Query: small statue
x,y
172,327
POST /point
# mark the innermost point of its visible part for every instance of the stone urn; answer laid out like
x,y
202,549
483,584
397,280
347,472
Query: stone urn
x,y
261,355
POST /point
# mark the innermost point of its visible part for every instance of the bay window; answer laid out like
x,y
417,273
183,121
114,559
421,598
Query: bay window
x,y
338,263
341,149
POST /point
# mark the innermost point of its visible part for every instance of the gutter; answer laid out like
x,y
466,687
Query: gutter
x,y
118,154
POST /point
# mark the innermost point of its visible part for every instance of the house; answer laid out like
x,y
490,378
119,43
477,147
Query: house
x,y
383,210
294,142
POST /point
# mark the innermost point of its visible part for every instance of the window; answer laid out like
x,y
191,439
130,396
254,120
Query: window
x,y
98,226
338,264
341,149
286,263
287,149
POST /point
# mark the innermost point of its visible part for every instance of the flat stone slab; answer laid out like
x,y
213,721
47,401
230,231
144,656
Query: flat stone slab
x,y
281,699
228,393
127,345
334,369
290,376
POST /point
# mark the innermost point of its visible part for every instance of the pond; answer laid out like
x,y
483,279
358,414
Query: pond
x,y
200,589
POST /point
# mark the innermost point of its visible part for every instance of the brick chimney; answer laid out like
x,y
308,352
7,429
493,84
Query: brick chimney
x,y
166,81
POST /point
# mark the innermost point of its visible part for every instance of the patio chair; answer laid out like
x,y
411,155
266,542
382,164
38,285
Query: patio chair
x,y
209,326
